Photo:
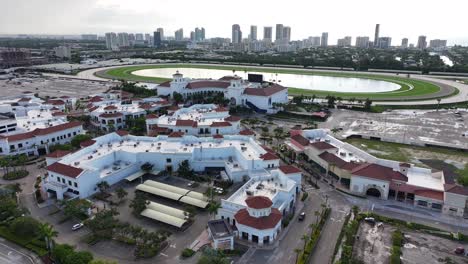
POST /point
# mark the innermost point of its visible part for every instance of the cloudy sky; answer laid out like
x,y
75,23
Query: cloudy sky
x,y
398,18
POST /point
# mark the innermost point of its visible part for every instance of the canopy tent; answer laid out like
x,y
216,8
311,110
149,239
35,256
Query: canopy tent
x,y
194,201
197,195
167,187
158,192
166,210
165,218
139,174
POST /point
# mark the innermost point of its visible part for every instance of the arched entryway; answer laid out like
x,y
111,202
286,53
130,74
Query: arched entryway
x,y
232,101
373,192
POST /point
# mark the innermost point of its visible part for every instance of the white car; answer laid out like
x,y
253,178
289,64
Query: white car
x,y
77,226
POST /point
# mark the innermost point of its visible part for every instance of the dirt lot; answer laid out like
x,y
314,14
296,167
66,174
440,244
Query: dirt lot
x,y
427,249
51,86
373,245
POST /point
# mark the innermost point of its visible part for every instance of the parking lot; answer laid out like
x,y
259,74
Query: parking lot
x,y
428,249
405,126
51,86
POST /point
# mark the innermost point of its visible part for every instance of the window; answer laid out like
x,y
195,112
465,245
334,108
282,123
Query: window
x,y
63,180
12,147
422,203
20,145
58,179
53,139
75,184
69,134
1,150
74,133
168,160
436,206
69,182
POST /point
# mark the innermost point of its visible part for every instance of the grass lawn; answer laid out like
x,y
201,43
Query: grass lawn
x,y
400,152
420,87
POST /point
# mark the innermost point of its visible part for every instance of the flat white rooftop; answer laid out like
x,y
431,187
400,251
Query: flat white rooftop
x,y
204,115
424,179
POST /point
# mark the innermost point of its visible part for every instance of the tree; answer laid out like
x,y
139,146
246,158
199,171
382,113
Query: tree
x,y
25,226
367,104
80,257
76,141
306,239
147,167
177,97
47,232
8,206
213,208
61,251
139,203
121,193
438,103
184,170
331,101
103,186
103,223
76,208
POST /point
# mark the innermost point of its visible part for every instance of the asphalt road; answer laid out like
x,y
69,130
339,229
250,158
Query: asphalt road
x,y
10,253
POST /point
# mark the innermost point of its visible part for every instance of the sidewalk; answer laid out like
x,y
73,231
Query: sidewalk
x,y
23,255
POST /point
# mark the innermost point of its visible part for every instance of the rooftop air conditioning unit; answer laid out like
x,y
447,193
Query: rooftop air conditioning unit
x,y
76,163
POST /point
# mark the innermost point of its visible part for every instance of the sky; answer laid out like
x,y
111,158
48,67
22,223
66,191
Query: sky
x,y
398,18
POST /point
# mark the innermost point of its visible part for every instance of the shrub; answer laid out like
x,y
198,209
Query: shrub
x,y
187,253
25,226
15,175
304,196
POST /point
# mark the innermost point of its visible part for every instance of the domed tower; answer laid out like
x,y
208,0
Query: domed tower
x,y
235,90
178,83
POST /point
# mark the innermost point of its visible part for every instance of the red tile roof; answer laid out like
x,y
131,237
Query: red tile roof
x,y
221,109
58,154
151,116
270,90
87,143
95,99
265,222
18,137
289,169
258,202
268,149
122,132
229,78
322,145
64,169
186,123
220,124
110,107
59,114
24,99
232,119
436,195
105,115
269,156
456,189
300,139
93,108
379,172
332,159
176,134
218,136
246,132
207,84
165,84
56,102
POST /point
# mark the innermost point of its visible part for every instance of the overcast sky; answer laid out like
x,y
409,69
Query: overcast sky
x,y
398,18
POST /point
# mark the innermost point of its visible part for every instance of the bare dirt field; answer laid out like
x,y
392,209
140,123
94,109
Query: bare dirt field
x,y
374,244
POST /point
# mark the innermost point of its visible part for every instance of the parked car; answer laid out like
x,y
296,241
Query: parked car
x,y
302,216
77,226
459,250
219,190
190,184
370,220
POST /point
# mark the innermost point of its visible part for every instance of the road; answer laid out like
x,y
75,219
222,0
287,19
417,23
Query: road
x,y
10,253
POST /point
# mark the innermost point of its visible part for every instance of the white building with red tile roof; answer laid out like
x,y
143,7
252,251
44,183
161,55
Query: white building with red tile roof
x,y
113,157
197,120
262,97
39,140
361,173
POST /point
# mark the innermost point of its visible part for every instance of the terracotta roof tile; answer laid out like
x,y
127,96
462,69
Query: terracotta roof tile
x,y
269,156
87,143
300,139
220,124
64,169
265,222
258,202
186,123
58,154
232,119
436,195
270,90
207,84
176,134
376,171
246,132
289,169
322,145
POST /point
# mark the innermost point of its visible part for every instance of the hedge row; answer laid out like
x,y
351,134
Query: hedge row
x,y
341,235
32,244
397,242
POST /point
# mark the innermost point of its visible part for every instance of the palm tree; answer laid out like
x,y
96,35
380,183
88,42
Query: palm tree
x,y
213,208
48,232
306,239
298,251
438,103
